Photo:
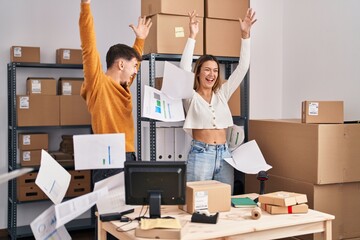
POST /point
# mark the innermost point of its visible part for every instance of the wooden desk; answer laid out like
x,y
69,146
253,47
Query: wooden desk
x,y
235,224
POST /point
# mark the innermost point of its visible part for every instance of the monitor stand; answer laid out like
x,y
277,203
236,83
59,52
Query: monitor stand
x,y
155,204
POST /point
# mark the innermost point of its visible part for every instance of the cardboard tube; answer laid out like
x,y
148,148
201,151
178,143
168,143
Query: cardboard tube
x,y
256,213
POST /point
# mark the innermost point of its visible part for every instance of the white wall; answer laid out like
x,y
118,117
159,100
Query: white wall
x,y
304,50
51,25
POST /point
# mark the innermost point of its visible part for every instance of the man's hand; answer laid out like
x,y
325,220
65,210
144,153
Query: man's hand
x,y
247,23
142,29
85,1
193,24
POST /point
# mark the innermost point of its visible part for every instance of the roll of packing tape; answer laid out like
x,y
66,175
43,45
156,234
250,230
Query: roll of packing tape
x,y
256,213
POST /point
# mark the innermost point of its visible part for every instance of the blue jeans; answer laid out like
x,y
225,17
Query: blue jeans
x,y
206,162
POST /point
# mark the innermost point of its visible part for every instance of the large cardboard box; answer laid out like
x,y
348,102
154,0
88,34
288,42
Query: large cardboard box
x,y
322,112
41,86
169,34
340,200
25,54
222,37
33,141
211,195
314,153
183,7
229,9
70,86
73,111
37,110
68,56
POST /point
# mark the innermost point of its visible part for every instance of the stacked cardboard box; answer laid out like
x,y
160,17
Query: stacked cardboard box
x,y
25,54
27,190
170,29
80,183
319,160
222,28
30,145
283,202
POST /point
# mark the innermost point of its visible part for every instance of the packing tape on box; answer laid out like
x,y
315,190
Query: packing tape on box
x,y
256,213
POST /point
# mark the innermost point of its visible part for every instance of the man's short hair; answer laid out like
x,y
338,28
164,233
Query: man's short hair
x,y
120,51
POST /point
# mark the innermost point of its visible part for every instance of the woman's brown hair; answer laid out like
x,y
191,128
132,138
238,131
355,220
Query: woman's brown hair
x,y
198,65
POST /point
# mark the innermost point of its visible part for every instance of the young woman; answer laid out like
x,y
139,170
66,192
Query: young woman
x,y
207,111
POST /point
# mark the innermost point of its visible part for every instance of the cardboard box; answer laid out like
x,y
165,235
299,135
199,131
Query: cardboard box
x,y
83,176
169,35
37,110
272,209
30,158
27,179
61,156
31,192
73,111
68,56
322,112
229,9
152,7
41,86
340,200
158,233
222,37
235,103
77,189
283,198
25,54
212,195
33,141
70,86
314,153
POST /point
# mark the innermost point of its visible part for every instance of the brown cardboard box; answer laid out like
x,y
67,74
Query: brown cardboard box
x,y
25,54
158,233
283,198
31,192
41,86
340,200
33,141
183,7
26,179
322,112
77,189
73,111
83,176
212,195
222,37
37,110
70,86
169,34
235,103
68,56
272,209
30,158
229,9
314,153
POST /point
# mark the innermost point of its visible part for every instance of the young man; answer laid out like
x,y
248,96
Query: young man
x,y
107,94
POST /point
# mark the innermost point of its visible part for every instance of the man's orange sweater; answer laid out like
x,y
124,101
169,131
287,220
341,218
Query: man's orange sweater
x,y
109,103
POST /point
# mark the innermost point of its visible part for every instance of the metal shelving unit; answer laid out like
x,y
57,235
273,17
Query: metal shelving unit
x,y
15,231
239,120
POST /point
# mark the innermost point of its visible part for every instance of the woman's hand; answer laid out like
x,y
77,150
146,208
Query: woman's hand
x,y
193,24
247,23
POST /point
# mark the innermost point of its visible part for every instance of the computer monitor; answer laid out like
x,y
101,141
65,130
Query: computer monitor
x,y
155,183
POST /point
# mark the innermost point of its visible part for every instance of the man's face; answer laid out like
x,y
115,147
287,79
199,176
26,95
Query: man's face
x,y
129,71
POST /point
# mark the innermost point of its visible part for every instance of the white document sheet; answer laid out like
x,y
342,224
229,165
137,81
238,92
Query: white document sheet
x,y
177,83
248,158
14,174
160,107
99,151
44,227
235,136
52,178
115,200
67,211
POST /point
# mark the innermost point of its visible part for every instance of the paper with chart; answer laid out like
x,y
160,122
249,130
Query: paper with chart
x,y
115,200
247,158
52,178
67,211
99,151
44,227
235,136
14,174
177,83
160,107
